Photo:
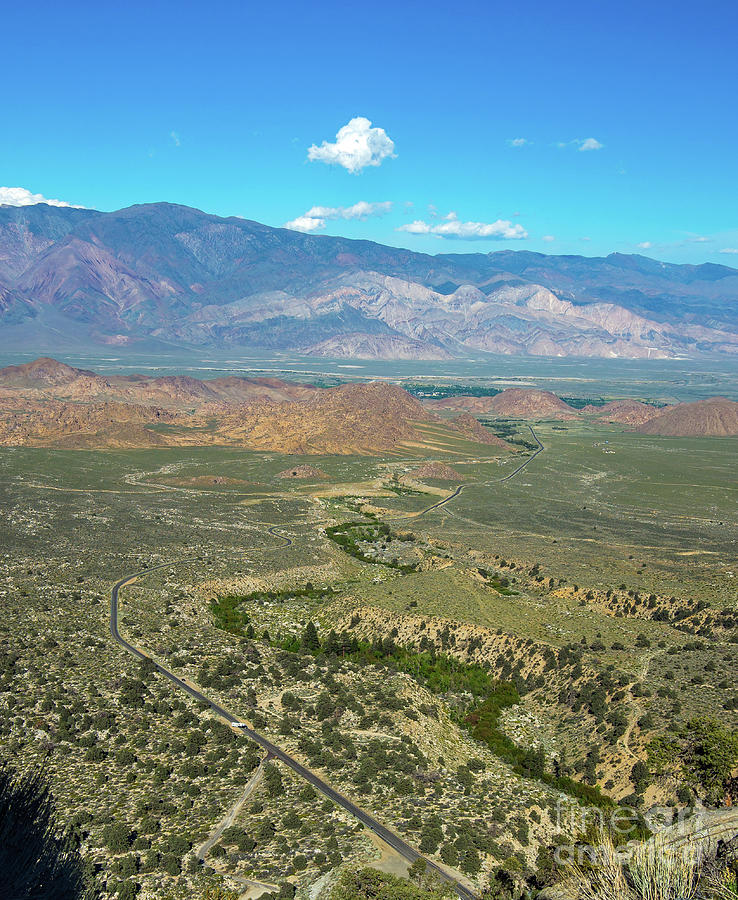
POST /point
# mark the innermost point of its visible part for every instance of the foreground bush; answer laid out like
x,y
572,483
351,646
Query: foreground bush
x,y
38,859
369,884
653,871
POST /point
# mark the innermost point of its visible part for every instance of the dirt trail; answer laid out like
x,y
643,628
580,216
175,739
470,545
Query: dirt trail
x,y
636,708
232,814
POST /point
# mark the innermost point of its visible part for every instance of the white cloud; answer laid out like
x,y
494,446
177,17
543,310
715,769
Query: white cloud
x,y
518,142
17,196
582,144
644,245
452,228
729,250
305,223
357,146
315,218
360,210
177,141
589,144
549,238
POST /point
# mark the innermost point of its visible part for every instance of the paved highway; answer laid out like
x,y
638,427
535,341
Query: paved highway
x,y
389,837
395,841
461,487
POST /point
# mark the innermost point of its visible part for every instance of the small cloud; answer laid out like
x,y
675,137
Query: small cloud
x,y
518,142
315,218
700,239
585,239
176,140
582,144
17,196
357,146
644,245
729,250
305,223
452,228
589,144
549,238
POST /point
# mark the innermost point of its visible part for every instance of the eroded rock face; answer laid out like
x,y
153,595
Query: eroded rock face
x,y
373,346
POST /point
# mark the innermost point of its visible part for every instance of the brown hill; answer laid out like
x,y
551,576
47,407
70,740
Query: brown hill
x,y
475,405
40,373
624,412
518,403
234,389
82,425
49,404
716,417
531,403
57,380
351,418
471,428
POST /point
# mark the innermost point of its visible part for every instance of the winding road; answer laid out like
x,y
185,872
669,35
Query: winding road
x,y
461,487
387,835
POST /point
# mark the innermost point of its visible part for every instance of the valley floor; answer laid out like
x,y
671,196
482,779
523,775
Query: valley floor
x,y
601,580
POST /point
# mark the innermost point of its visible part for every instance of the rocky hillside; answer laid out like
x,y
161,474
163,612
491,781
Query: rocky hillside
x,y
530,403
716,417
160,275
623,412
47,403
517,403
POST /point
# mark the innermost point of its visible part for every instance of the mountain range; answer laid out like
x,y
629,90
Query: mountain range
x,y
160,276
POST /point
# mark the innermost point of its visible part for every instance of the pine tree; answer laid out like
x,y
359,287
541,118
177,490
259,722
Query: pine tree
x,y
310,640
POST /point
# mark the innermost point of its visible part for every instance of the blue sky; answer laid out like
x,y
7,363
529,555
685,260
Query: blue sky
x,y
624,116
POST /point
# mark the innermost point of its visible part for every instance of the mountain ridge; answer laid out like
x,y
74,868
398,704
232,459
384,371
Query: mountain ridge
x,y
167,275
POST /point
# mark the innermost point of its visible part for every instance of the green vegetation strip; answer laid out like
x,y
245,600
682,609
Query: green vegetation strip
x,y
348,535
442,674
